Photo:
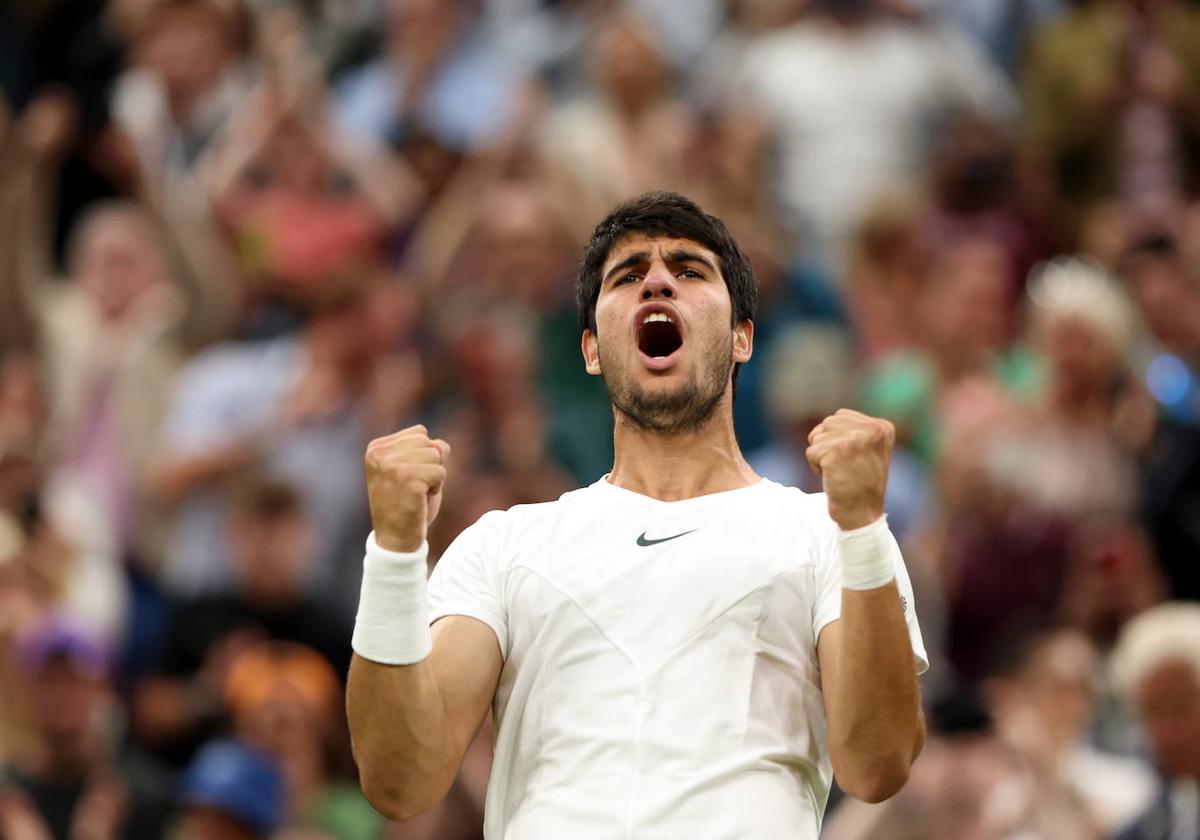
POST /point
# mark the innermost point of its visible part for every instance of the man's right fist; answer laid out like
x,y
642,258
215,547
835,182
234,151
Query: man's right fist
x,y
405,474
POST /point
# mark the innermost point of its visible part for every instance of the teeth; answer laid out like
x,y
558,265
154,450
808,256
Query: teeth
x,y
658,316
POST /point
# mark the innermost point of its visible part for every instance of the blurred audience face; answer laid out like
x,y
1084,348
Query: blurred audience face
x,y
1169,299
188,45
966,305
271,550
293,161
346,334
1168,702
495,360
1082,359
116,261
284,698
628,67
68,702
521,247
1057,684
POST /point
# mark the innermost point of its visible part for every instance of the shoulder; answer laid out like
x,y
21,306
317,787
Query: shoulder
x,y
491,541
522,522
812,508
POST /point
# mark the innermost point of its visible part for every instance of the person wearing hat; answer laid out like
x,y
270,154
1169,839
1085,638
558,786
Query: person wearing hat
x,y
286,699
74,775
230,791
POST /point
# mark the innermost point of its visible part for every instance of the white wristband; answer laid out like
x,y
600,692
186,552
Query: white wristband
x,y
868,555
392,627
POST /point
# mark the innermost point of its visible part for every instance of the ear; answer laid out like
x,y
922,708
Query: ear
x,y
591,353
743,341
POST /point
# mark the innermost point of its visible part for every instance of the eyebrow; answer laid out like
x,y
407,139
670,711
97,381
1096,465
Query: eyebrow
x,y
683,255
676,256
633,259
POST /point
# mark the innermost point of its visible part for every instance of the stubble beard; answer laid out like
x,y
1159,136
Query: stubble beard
x,y
688,407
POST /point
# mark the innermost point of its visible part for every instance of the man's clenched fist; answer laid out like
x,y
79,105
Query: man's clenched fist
x,y
405,475
851,452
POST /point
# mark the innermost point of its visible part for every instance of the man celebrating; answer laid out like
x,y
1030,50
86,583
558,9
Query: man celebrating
x,y
682,649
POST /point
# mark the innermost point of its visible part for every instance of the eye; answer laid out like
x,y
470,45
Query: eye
x,y
627,278
691,274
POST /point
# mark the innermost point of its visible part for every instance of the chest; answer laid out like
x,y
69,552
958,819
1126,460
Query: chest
x,y
648,586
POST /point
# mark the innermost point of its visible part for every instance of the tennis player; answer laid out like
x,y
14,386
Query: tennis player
x,y
681,650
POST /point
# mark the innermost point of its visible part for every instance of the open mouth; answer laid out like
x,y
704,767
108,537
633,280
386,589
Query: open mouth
x,y
658,336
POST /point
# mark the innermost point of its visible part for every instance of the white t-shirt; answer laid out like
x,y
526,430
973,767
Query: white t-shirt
x,y
660,673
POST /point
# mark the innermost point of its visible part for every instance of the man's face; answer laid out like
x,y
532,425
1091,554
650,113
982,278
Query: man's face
x,y
663,340
116,265
1168,702
271,551
66,701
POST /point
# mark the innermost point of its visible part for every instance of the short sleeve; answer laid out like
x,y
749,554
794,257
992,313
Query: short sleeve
x,y
466,580
828,606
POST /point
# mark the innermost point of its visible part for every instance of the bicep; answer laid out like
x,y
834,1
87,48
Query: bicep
x,y
466,662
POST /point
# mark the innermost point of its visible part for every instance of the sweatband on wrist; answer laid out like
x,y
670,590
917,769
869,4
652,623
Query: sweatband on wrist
x,y
392,627
868,555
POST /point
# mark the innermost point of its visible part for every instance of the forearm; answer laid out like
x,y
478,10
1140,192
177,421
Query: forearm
x,y
875,727
401,736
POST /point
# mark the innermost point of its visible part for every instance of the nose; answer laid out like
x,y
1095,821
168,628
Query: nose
x,y
659,282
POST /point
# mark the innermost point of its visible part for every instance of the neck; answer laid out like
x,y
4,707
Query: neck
x,y
670,467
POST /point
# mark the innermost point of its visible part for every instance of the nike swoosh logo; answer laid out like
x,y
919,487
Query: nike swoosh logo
x,y
643,542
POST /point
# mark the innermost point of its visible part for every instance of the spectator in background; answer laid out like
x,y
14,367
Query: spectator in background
x,y
1168,293
852,93
888,263
301,198
1042,693
287,700
1156,668
76,779
231,791
184,84
1125,122
967,784
438,90
1002,560
628,132
807,376
179,703
964,323
977,190
505,244
493,416
1094,415
110,340
296,408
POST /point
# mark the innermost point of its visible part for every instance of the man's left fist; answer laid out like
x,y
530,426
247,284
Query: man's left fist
x,y
851,452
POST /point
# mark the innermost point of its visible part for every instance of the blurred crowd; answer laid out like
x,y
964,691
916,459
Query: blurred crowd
x,y
240,238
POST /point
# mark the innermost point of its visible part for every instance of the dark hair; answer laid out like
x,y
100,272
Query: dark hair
x,y
665,214
263,499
